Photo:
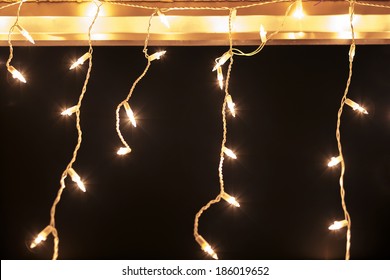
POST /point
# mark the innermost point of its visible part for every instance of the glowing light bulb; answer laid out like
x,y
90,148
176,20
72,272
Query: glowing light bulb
x,y
220,77
334,161
298,13
41,236
229,153
25,34
355,106
130,114
123,151
16,74
222,60
81,60
263,34
156,55
338,225
231,105
205,246
70,111
163,18
230,199
351,53
76,178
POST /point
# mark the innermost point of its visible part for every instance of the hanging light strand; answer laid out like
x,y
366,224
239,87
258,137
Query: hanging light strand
x,y
124,103
51,228
222,194
347,217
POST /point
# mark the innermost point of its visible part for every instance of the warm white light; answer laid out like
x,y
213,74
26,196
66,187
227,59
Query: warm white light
x,y
205,246
76,178
220,77
263,34
298,12
229,153
41,236
80,61
156,55
230,199
334,161
355,106
16,74
25,34
163,18
221,61
352,53
123,151
70,111
338,225
231,105
130,114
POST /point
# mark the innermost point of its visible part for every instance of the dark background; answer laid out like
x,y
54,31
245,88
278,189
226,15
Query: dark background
x,y
142,206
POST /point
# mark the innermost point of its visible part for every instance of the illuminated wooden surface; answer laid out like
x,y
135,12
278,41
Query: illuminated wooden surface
x,y
66,23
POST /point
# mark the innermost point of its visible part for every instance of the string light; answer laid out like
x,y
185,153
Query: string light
x,y
338,225
81,60
129,113
70,111
227,103
16,74
355,106
163,18
42,236
76,178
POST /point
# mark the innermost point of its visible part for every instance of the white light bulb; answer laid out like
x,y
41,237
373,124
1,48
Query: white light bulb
x,y
263,34
229,153
123,151
41,236
231,105
355,106
163,18
70,111
220,77
338,225
156,55
130,114
25,34
334,161
205,246
81,60
230,199
16,74
76,178
221,61
298,13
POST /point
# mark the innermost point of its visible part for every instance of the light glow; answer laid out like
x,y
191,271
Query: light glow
x,y
163,18
334,161
338,225
123,151
76,178
221,61
70,111
16,74
231,105
156,55
355,106
263,34
25,34
130,113
81,60
41,236
230,199
229,153
220,77
298,12
205,246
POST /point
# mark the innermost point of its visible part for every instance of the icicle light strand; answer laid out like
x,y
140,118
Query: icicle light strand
x,y
69,170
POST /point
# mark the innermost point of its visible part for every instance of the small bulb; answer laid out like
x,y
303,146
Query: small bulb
x,y
76,178
81,60
334,161
263,34
156,55
298,13
16,74
25,34
70,111
205,246
163,18
222,60
355,106
130,114
338,225
230,199
220,77
41,236
123,151
229,153
231,105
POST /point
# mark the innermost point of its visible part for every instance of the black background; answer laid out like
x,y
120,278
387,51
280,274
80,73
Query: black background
x,y
142,206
